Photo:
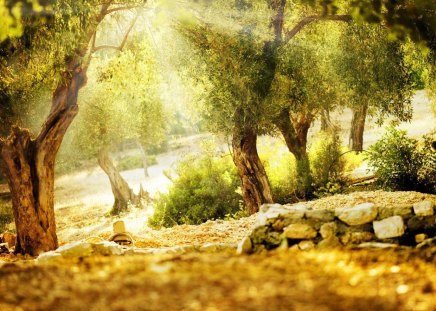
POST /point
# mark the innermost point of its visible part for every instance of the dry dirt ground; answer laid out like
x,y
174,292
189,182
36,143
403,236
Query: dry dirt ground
x,y
348,279
395,279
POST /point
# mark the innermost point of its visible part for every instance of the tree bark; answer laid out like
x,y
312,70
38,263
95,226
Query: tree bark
x,y
28,165
295,134
358,127
256,189
123,194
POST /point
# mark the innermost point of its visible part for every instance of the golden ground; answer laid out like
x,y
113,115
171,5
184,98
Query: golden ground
x,y
393,279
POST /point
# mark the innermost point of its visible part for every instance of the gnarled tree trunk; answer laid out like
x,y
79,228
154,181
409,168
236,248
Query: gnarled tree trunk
x,y
295,134
28,165
358,127
256,189
123,194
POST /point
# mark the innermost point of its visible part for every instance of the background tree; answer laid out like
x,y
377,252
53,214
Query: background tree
x,y
237,81
375,76
121,103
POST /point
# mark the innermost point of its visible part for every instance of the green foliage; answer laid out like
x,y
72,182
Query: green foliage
x,y
206,188
404,163
120,102
327,163
374,72
280,167
6,215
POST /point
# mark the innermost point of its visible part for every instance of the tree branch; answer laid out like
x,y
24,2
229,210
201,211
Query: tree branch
x,y
122,8
123,43
314,18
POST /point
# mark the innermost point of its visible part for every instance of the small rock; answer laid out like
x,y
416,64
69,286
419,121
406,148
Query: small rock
x,y
357,215
306,245
245,246
389,228
328,230
419,238
299,232
356,237
423,208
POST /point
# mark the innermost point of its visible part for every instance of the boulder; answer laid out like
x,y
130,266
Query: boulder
x,y
357,215
270,213
423,208
391,227
299,232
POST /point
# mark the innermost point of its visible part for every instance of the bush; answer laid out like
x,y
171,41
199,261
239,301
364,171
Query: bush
x,y
327,163
280,168
403,163
206,188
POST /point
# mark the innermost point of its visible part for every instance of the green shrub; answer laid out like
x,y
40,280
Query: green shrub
x,y
403,163
280,167
327,164
206,188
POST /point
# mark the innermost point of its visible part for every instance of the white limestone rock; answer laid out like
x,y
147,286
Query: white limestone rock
x,y
423,208
357,215
269,213
76,249
299,232
387,228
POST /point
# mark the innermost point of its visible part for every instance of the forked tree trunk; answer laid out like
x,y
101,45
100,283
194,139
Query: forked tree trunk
x,y
28,165
123,194
295,134
256,189
358,127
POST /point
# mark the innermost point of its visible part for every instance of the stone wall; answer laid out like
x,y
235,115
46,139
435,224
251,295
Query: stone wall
x,y
363,225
